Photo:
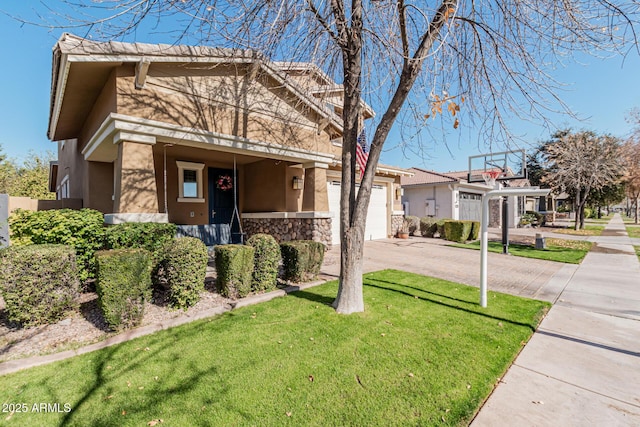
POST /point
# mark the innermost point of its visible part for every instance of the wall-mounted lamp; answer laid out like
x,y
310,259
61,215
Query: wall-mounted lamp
x,y
399,192
298,183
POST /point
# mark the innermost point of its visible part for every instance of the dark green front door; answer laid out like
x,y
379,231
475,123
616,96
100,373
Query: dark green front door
x,y
220,195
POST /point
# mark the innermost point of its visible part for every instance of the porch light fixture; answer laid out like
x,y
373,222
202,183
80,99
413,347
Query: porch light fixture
x,y
298,183
399,192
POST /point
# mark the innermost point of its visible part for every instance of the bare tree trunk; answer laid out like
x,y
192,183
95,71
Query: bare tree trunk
x,y
578,207
637,209
353,209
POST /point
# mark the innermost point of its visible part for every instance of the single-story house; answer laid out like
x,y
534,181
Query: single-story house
x,y
200,135
450,195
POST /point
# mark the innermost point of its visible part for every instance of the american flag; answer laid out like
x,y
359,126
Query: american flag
x,y
362,154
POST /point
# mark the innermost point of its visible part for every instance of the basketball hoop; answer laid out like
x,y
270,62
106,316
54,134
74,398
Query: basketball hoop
x,y
490,177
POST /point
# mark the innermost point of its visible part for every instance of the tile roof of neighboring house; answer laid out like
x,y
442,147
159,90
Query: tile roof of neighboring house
x,y
422,176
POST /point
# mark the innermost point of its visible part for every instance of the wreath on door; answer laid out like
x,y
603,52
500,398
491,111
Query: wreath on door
x,y
224,183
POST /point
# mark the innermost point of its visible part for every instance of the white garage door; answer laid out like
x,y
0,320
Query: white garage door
x,y
377,220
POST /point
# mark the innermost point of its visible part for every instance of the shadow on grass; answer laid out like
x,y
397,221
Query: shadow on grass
x,y
128,359
313,297
408,290
443,303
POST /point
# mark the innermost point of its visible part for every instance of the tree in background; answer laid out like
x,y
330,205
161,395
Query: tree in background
x,y
30,179
581,163
449,61
606,196
631,178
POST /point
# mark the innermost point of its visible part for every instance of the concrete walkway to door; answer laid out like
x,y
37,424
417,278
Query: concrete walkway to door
x,y
582,366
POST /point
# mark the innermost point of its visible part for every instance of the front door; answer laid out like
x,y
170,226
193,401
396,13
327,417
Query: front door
x,y
221,188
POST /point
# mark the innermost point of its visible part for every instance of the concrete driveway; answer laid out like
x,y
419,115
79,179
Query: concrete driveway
x,y
526,277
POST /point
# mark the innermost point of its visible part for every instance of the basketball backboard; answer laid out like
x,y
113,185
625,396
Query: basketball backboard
x,y
510,164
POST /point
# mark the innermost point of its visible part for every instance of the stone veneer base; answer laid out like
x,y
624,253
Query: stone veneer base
x,y
286,226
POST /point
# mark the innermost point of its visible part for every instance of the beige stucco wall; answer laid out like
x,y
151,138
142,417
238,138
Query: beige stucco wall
x,y
105,104
98,186
265,187
71,163
315,190
135,179
222,100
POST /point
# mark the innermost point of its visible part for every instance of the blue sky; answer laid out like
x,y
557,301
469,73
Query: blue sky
x,y
601,91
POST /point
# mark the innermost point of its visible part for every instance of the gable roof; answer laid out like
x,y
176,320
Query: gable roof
x,y
71,50
423,176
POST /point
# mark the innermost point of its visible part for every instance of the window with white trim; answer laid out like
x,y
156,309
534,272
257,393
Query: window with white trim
x,y
190,182
63,188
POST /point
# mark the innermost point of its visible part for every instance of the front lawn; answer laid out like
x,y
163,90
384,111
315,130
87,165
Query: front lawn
x,y
423,353
589,230
559,250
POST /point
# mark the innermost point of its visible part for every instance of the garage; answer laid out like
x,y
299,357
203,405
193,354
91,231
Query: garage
x,y
470,206
377,217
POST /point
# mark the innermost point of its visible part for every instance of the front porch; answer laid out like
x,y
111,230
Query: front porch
x,y
160,179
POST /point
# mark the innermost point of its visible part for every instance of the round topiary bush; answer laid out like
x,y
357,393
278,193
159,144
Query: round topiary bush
x,y
39,283
184,266
266,262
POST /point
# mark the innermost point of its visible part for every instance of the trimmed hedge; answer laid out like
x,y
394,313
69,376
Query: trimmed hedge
x,y
301,259
151,236
461,231
83,229
475,230
428,226
39,283
234,268
440,227
123,285
184,267
414,224
266,261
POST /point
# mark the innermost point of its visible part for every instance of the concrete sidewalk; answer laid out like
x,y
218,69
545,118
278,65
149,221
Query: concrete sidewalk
x,y
582,367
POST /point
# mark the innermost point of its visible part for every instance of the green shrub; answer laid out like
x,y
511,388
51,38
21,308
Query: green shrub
x,y
440,227
428,226
234,268
266,261
39,283
475,230
123,285
301,259
151,236
83,229
414,224
184,267
457,231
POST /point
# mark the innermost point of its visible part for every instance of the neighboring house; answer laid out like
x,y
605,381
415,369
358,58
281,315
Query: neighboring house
x,y
186,134
449,195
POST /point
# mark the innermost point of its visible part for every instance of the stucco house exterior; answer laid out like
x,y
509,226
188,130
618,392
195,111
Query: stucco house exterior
x,y
188,134
449,195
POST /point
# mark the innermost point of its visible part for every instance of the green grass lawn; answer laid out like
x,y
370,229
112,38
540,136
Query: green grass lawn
x,y
559,250
633,231
589,230
423,353
637,248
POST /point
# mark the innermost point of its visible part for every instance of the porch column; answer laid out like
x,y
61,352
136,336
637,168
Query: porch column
x,y
314,196
135,189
